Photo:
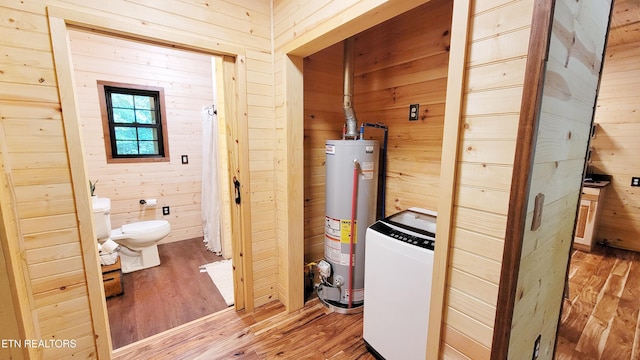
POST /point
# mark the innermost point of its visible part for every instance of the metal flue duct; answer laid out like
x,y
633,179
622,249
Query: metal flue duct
x,y
349,113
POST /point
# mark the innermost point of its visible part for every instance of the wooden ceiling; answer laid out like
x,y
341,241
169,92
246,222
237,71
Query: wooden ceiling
x,y
625,23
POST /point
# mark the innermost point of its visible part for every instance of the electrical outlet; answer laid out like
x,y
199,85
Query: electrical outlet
x,y
414,111
165,210
536,348
635,181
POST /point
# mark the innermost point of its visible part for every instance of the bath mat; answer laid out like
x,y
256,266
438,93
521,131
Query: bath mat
x,y
221,273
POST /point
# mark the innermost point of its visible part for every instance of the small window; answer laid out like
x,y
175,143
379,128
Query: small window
x,y
134,122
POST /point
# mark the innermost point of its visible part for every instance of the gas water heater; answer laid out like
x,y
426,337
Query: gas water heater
x,y
351,193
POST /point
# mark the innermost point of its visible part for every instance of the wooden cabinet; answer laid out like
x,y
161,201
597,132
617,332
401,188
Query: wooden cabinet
x,y
587,222
112,279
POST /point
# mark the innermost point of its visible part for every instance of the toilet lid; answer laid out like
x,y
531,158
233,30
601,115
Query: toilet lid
x,y
142,226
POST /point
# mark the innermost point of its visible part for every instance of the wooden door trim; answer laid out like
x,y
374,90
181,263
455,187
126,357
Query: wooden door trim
x,y
79,180
60,18
448,171
234,82
538,50
294,152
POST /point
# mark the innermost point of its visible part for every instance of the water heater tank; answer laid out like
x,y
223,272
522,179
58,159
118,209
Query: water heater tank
x,y
342,157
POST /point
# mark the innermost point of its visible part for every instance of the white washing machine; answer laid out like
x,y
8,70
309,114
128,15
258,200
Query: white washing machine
x,y
397,284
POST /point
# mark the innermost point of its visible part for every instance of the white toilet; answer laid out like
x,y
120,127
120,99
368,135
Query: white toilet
x,y
138,241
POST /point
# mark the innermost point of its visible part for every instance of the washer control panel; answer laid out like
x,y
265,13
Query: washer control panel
x,y
415,239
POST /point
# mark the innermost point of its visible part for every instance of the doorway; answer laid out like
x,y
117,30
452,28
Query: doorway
x,y
70,107
179,290
600,311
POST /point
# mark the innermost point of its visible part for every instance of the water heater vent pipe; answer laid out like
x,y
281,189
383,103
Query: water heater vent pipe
x,y
347,103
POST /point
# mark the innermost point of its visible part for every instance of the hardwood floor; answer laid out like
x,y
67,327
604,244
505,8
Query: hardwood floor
x,y
313,332
600,320
165,296
600,317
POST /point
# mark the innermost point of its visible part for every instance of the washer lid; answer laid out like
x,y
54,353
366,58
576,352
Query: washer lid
x,y
416,219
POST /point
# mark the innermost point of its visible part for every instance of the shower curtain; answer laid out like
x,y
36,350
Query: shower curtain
x,y
211,212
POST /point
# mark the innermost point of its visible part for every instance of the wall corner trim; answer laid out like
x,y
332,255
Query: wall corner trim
x,y
523,163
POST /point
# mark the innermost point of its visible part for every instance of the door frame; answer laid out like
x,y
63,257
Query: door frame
x,y
234,74
327,34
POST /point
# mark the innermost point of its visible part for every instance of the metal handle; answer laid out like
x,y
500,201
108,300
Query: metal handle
x,y
236,186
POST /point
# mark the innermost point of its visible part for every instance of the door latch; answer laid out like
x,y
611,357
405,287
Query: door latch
x,y
236,186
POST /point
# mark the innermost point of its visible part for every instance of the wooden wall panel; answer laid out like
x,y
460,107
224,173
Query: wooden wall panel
x,y
37,161
398,62
262,162
323,121
570,89
615,146
496,58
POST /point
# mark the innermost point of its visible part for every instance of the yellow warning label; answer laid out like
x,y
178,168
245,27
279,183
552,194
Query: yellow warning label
x,y
345,231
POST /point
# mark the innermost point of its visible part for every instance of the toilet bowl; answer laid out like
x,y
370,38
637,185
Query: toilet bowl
x,y
138,241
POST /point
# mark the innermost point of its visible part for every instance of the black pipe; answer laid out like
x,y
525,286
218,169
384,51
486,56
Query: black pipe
x,y
383,165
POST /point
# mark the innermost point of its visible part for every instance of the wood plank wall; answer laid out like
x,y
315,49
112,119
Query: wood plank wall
x,y
398,62
616,144
323,120
188,85
499,37
262,163
36,159
570,89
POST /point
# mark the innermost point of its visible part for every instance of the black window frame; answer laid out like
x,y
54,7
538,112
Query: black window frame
x,y
157,93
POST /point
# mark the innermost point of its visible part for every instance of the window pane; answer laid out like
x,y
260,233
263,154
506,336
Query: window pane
x,y
125,133
143,102
149,147
147,134
134,120
127,147
122,101
123,116
145,117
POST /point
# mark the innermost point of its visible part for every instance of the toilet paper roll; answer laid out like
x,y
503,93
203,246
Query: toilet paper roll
x,y
110,246
150,202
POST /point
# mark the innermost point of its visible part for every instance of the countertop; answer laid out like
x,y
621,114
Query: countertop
x,y
595,184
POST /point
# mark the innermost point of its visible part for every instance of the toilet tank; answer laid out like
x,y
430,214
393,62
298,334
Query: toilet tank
x,y
102,217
